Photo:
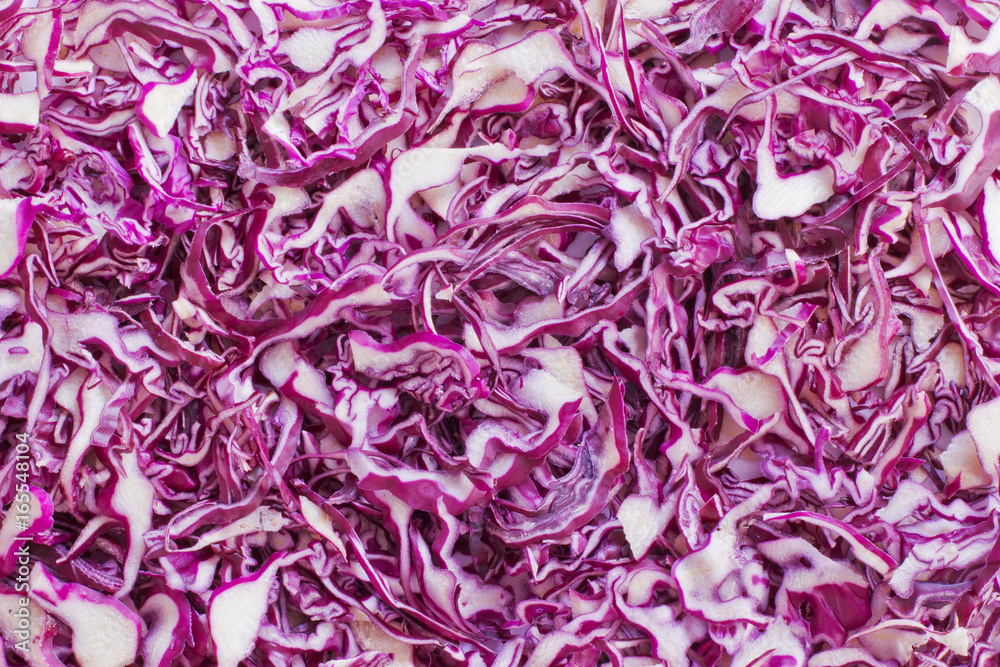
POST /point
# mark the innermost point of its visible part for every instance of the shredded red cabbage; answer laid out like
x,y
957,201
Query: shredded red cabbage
x,y
481,333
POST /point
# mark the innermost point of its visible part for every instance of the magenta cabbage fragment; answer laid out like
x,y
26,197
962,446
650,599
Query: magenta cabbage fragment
x,y
468,333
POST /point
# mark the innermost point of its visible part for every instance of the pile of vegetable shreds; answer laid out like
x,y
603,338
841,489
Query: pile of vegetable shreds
x,y
483,333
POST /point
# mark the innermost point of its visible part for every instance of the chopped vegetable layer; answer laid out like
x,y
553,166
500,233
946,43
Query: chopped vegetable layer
x,y
486,333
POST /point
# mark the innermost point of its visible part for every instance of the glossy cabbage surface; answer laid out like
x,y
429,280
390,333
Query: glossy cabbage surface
x,y
485,333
